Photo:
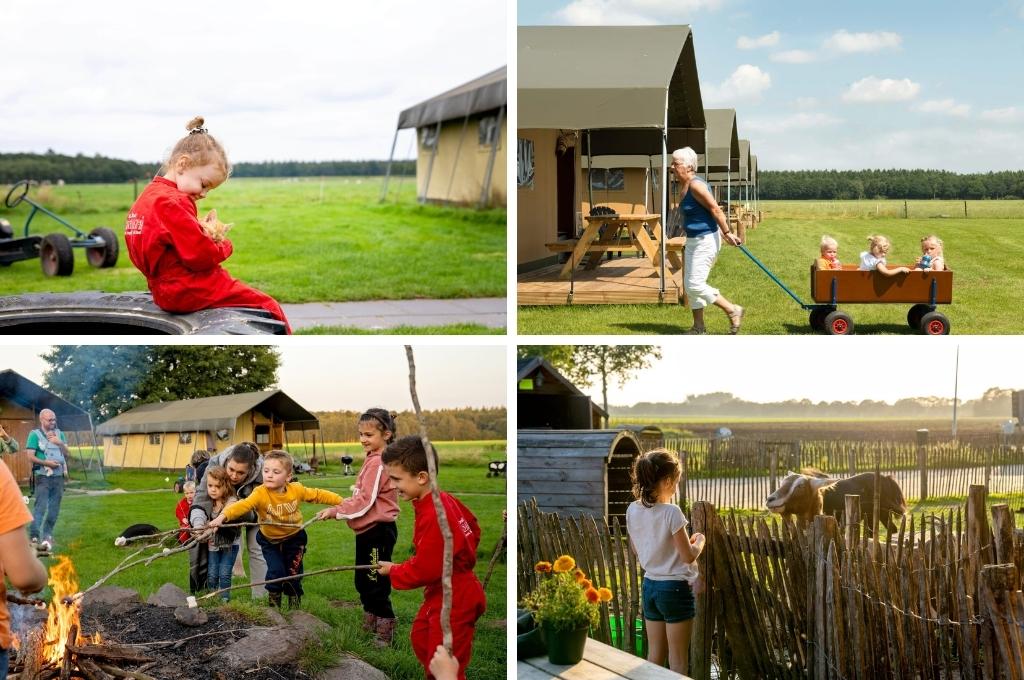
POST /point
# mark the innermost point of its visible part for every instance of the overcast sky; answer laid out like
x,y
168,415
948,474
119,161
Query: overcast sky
x,y
769,368
328,378
869,84
295,80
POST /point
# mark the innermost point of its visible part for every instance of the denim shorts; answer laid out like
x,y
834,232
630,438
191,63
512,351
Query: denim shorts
x,y
668,601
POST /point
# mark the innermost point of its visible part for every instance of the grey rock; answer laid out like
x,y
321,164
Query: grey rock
x,y
269,645
276,618
188,616
110,595
308,626
353,669
125,608
169,595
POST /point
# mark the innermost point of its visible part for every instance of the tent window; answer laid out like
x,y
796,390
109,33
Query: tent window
x,y
524,158
262,434
154,439
488,131
184,437
608,179
428,137
116,440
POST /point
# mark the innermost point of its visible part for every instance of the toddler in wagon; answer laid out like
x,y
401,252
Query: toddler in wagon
x,y
873,259
829,254
931,259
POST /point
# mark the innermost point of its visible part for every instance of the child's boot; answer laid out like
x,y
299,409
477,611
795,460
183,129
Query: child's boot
x,y
275,599
294,601
384,632
369,621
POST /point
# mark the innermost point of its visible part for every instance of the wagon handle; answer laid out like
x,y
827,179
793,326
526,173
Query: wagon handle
x,y
11,203
773,277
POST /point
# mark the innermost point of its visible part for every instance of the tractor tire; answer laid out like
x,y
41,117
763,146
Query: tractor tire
x,y
818,315
917,313
838,323
98,313
106,256
934,323
56,255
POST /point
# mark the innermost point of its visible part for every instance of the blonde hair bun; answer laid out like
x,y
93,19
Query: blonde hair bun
x,y
196,122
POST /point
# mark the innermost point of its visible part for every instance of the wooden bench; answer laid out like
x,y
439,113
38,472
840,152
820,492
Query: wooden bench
x,y
673,248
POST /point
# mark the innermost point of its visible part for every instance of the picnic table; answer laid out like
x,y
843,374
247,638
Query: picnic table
x,y
600,662
591,241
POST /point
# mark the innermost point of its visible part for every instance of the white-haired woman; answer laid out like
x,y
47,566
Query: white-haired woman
x,y
706,227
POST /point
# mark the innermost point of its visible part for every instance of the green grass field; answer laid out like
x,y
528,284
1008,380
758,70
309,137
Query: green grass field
x,y
89,524
985,255
295,245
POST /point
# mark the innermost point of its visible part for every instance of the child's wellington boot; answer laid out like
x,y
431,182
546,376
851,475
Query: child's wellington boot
x,y
384,632
294,601
275,599
369,621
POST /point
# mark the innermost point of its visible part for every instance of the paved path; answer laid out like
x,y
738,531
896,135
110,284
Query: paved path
x,y
380,314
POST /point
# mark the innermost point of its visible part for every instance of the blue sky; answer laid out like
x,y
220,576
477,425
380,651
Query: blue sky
x,y
848,85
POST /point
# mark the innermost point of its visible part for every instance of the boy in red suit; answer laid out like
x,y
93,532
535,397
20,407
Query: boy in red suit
x,y
406,463
179,255
182,509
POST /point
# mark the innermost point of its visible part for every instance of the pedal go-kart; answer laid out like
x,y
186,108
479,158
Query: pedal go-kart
x,y
53,250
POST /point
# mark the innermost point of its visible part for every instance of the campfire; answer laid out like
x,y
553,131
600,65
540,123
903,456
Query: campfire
x,y
60,650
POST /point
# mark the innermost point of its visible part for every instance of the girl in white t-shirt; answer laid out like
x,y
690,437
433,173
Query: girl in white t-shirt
x,y
874,258
668,555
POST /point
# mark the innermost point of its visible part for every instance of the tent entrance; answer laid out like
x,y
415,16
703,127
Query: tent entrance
x,y
566,193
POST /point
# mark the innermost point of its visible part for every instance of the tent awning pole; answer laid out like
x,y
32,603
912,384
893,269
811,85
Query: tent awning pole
x,y
430,167
387,173
95,451
486,190
664,203
590,169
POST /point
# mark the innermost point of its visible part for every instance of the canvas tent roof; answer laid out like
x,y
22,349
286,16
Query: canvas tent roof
x,y
26,393
207,414
592,77
742,174
638,148
723,140
486,93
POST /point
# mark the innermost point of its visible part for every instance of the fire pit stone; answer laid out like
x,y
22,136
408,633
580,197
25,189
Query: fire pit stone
x,y
353,669
169,595
188,616
110,595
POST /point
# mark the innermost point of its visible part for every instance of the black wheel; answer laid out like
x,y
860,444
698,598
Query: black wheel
x,y
917,313
838,323
56,255
934,323
818,315
96,313
16,193
105,256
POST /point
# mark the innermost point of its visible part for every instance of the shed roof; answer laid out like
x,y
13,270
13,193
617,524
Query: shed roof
x,y
531,365
208,414
588,77
24,392
486,93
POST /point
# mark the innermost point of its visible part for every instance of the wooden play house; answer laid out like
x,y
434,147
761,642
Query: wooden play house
x,y
547,399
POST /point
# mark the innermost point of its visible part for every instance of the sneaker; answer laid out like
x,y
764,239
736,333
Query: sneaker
x,y
45,546
34,540
384,632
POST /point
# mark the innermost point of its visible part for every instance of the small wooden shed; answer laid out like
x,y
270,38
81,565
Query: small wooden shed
x,y
546,398
574,472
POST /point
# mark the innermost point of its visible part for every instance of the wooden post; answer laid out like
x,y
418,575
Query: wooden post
x,y
979,538
922,461
703,520
1002,532
852,514
773,471
999,602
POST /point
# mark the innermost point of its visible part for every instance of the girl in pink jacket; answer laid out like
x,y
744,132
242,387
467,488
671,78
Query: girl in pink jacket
x,y
371,513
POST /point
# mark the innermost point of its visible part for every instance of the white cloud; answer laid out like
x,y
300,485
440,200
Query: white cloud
x,y
947,107
1010,114
632,12
844,42
872,89
806,102
794,57
799,121
746,83
768,40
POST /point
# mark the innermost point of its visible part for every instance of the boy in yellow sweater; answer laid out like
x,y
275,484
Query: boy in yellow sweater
x,y
277,501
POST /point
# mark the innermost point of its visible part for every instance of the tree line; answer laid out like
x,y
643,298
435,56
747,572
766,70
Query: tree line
x,y
452,424
881,184
82,169
995,402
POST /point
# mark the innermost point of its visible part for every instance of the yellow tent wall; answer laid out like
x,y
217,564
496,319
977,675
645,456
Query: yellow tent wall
x,y
629,199
538,204
470,163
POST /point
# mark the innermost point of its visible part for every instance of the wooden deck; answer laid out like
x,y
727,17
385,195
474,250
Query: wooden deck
x,y
626,280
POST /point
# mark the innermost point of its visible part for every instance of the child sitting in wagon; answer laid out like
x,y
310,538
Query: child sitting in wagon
x,y
874,258
829,254
931,259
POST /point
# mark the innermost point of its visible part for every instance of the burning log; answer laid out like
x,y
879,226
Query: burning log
x,y
65,669
93,672
122,673
108,652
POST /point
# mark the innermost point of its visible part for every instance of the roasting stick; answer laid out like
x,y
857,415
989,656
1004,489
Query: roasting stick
x,y
498,549
193,601
32,601
196,530
442,516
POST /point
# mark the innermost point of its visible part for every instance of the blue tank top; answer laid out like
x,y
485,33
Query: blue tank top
x,y
697,220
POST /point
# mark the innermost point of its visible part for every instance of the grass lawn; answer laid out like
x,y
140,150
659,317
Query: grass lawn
x,y
984,254
88,525
294,245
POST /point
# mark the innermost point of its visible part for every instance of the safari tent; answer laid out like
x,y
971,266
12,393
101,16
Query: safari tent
x,y
21,400
460,141
547,399
594,90
165,434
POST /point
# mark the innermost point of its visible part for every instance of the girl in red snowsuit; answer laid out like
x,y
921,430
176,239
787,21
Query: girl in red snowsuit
x,y
166,241
406,464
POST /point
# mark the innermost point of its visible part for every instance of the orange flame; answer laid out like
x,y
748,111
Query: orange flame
x,y
64,583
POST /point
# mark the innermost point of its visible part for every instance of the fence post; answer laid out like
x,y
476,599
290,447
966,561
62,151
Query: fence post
x,y
922,461
773,472
1002,532
825,530
852,515
999,600
704,521
979,538
988,466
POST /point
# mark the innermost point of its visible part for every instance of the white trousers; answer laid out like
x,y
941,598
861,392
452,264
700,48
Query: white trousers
x,y
700,255
257,563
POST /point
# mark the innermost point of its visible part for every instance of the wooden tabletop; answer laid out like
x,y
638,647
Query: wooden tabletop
x,y
600,662
623,217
